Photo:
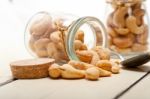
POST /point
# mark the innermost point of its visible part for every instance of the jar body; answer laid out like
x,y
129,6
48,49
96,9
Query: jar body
x,y
127,26
47,35
44,36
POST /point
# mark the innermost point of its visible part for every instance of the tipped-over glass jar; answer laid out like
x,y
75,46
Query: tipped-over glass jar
x,y
58,36
127,26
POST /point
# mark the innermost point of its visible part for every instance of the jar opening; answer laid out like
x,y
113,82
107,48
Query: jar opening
x,y
75,27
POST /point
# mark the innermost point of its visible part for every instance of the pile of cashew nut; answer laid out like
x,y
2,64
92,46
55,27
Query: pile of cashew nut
x,y
126,26
93,64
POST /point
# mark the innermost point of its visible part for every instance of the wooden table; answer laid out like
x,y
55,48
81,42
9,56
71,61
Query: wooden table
x,y
117,86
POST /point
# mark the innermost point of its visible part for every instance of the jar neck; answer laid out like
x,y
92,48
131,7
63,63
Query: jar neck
x,y
74,27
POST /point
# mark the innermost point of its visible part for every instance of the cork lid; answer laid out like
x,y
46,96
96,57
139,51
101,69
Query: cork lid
x,y
32,62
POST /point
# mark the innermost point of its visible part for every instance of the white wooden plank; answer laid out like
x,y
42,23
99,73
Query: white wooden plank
x,y
5,79
140,91
48,88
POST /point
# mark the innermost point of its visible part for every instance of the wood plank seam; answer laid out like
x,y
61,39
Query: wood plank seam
x,y
7,82
131,86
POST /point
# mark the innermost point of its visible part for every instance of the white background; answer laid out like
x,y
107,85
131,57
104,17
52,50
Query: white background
x,y
14,16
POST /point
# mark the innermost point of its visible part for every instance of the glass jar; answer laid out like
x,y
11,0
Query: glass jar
x,y
58,36
127,26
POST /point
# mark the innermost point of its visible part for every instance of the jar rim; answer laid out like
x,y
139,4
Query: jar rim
x,y
73,29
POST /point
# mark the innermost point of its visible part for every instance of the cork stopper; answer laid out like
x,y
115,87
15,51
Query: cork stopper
x,y
31,68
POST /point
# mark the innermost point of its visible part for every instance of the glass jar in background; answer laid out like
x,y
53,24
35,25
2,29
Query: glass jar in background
x,y
58,36
128,26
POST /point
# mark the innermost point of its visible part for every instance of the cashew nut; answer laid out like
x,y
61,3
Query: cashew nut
x,y
137,5
119,17
104,64
122,31
124,41
95,57
41,43
115,68
139,13
103,53
92,73
69,72
41,53
54,71
139,47
78,45
55,36
80,65
40,47
104,73
40,26
80,35
132,26
51,49
110,43
143,38
84,55
121,50
112,32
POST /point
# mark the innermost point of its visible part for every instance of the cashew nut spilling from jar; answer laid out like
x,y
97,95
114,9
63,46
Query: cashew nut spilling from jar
x,y
95,57
85,66
67,71
104,53
104,64
92,73
84,55
115,68
54,71
80,65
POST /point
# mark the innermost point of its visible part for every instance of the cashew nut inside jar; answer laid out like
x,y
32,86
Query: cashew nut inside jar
x,y
60,36
128,26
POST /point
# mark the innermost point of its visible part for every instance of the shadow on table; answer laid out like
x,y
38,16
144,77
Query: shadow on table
x,y
144,68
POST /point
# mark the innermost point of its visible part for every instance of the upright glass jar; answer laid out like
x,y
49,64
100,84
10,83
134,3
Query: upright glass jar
x,y
58,36
128,26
